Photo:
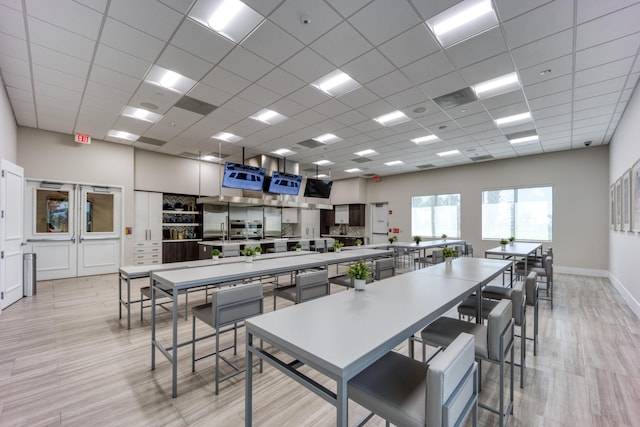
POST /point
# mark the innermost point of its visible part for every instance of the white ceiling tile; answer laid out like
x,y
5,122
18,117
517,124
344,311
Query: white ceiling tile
x,y
508,9
321,19
287,107
198,40
331,107
488,69
57,78
604,72
341,45
281,82
122,62
428,9
310,117
136,13
13,47
358,97
478,48
272,43
603,111
161,97
559,67
443,85
264,7
607,52
67,14
181,6
308,65
226,81
57,96
429,68
184,63
548,19
368,67
502,100
259,95
551,100
351,118
59,61
548,87
543,50
411,98
397,17
11,22
245,64
60,40
614,85
130,40
615,25
18,85
393,82
590,9
308,96
243,108
209,94
553,120
410,46
113,78
557,110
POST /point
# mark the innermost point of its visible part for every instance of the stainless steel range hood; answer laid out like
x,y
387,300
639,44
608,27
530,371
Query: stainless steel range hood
x,y
254,201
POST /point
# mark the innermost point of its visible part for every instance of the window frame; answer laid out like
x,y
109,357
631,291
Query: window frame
x,y
436,233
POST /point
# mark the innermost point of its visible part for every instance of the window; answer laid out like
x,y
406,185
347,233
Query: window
x,y
525,213
433,216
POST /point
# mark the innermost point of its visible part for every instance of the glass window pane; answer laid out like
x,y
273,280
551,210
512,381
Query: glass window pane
x,y
421,216
432,216
533,214
99,211
496,214
52,211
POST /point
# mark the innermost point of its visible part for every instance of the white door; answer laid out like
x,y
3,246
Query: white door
x,y
379,222
11,205
50,217
98,230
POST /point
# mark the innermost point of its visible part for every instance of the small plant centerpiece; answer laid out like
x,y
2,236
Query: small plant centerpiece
x,y
512,239
298,247
258,251
448,254
360,272
358,242
444,237
337,245
248,253
417,239
393,239
215,254
503,243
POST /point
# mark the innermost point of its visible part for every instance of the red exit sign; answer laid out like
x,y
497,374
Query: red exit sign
x,y
83,139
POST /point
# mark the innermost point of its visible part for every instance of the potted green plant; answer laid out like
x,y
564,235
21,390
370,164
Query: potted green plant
x,y
393,239
298,247
248,253
448,254
503,243
443,237
417,239
360,272
358,242
512,239
337,245
215,254
258,251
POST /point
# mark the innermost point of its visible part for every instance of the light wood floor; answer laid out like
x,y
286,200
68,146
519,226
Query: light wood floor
x,y
66,359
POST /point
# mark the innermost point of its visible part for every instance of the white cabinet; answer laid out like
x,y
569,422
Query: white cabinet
x,y
309,223
289,216
147,228
342,214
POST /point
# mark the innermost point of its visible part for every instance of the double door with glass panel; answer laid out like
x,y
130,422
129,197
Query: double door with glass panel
x,y
73,229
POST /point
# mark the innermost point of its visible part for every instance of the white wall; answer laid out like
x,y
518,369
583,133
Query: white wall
x,y
8,128
580,183
624,245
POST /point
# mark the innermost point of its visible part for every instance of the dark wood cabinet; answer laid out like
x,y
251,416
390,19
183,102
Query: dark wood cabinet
x,y
327,220
356,215
180,251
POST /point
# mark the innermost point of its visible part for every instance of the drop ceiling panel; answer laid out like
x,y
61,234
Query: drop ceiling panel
x,y
122,62
368,67
603,72
358,97
556,68
615,25
130,40
60,40
607,52
486,45
184,63
488,69
429,68
308,66
198,40
112,78
341,45
11,22
599,88
67,14
281,82
588,10
43,75
137,13
389,84
59,61
408,47
289,17
209,94
443,85
226,80
272,43
397,17
539,23
245,64
543,50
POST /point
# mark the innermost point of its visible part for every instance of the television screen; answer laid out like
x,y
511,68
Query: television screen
x,y
243,176
285,183
317,188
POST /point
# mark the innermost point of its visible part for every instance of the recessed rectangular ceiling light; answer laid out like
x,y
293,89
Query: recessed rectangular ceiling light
x,y
462,21
269,117
352,170
394,163
368,152
524,139
227,137
208,158
168,79
425,139
327,138
448,153
140,114
497,86
323,162
283,152
513,120
120,134
393,118
322,175
229,18
336,83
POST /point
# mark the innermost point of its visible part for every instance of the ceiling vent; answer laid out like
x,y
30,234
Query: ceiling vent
x,y
151,141
310,143
427,166
188,155
481,158
455,99
523,134
361,160
195,105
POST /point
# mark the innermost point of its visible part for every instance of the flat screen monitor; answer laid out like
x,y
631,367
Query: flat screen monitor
x,y
318,188
285,183
243,176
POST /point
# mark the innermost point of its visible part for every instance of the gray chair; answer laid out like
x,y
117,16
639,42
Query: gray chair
x,y
407,392
384,268
493,343
228,307
278,246
435,257
319,245
546,272
308,286
468,249
145,296
491,295
229,250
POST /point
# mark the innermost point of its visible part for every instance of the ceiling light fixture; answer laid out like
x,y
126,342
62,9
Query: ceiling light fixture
x,y
269,117
140,114
462,21
394,163
524,139
448,153
224,14
352,170
230,18
512,120
497,86
336,83
327,138
283,152
368,152
393,118
168,79
425,139
120,134
323,162
227,137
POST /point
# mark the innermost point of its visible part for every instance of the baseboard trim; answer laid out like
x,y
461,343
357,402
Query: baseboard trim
x,y
633,303
580,271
